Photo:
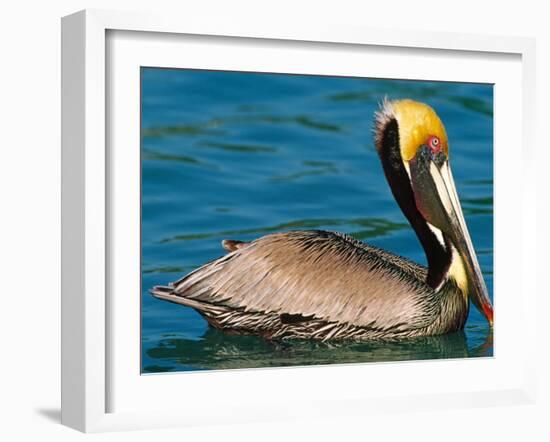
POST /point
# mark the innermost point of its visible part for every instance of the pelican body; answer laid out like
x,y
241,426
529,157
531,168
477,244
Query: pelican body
x,y
325,285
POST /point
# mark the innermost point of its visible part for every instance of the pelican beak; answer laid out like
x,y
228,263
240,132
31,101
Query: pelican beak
x,y
436,199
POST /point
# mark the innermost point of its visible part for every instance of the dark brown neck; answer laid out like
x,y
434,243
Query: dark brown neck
x,y
438,255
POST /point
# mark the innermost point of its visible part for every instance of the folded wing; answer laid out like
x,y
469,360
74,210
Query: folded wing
x,y
319,275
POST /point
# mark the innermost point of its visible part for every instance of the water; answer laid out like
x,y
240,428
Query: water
x,y
239,155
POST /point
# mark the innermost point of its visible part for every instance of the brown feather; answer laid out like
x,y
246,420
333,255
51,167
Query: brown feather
x,y
341,287
232,245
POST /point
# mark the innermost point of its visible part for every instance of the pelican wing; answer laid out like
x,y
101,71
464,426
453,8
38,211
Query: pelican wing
x,y
318,275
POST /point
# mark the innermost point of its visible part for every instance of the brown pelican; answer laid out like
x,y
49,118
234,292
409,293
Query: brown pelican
x,y
327,286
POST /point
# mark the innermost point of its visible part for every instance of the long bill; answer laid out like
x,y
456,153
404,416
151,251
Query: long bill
x,y
437,200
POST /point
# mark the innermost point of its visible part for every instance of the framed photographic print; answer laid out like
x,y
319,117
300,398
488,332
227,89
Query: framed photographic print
x,y
271,221
282,170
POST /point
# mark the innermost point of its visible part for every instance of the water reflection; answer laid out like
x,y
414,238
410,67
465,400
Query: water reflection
x,y
218,350
311,168
213,126
235,147
155,155
372,228
478,206
473,104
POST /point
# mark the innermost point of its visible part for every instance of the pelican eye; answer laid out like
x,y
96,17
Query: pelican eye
x,y
434,143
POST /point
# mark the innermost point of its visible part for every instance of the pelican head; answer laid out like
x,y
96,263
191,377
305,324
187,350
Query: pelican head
x,y
413,147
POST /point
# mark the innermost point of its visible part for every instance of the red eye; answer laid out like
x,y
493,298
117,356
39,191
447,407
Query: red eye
x,y
434,143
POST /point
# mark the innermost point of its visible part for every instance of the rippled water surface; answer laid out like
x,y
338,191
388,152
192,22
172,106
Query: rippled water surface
x,y
238,155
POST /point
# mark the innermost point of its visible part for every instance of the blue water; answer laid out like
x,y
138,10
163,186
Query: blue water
x,y
238,155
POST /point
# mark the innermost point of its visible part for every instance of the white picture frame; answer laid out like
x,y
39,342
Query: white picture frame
x,y
87,206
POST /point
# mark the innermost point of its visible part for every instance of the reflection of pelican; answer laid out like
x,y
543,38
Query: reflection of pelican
x,y
324,285
217,350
